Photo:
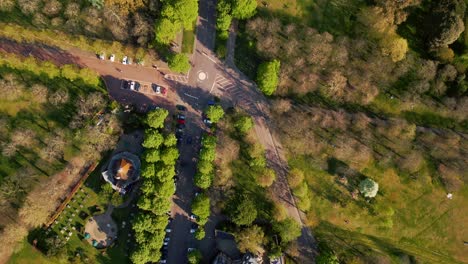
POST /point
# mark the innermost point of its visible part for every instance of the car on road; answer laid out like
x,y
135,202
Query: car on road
x,y
189,140
181,108
181,126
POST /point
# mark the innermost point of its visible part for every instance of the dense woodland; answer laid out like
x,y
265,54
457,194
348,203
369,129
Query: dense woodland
x,y
369,90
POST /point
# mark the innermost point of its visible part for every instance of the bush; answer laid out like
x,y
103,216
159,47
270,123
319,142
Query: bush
x,y
244,124
368,188
179,63
266,177
245,212
295,177
200,234
287,229
214,113
194,257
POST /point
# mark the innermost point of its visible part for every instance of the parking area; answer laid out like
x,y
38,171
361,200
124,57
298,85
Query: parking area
x,y
143,87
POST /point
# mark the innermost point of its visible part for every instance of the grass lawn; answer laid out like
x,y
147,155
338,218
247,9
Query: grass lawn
x,y
188,41
407,215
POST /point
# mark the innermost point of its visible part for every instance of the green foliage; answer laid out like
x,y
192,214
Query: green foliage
x,y
165,173
96,3
194,257
287,229
155,118
144,254
267,76
243,9
153,139
170,140
245,212
151,155
266,177
368,188
203,180
205,167
179,63
208,154
200,234
201,207
181,11
164,189
166,30
147,170
209,142
214,113
149,223
243,124
169,156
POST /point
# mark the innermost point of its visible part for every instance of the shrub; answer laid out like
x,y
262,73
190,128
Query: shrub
x,y
267,76
179,63
368,188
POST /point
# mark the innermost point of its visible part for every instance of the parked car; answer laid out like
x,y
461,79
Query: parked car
x,y
125,84
211,102
164,91
190,249
189,140
167,239
181,116
112,58
156,88
163,261
102,56
152,107
181,126
181,108
168,230
179,130
181,121
179,135
193,217
132,85
125,60
137,86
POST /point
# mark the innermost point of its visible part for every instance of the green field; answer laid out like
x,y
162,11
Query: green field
x,y
188,41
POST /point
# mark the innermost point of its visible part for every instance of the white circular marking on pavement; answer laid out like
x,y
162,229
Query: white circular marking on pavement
x,y
202,76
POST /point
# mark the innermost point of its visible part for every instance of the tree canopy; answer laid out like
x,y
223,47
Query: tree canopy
x,y
446,22
201,206
368,188
243,9
250,239
287,229
214,113
245,212
155,118
267,76
153,139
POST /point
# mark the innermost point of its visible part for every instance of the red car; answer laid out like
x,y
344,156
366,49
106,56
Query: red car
x,y
181,121
164,91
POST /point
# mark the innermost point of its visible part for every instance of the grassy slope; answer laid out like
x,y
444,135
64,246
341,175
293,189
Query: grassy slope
x,y
425,223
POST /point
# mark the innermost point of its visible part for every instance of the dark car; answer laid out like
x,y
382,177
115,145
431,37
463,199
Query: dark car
x,y
181,108
180,126
137,86
189,140
179,135
181,116
211,102
126,85
152,107
156,88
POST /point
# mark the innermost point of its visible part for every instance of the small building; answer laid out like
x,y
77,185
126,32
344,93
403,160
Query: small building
x,y
123,170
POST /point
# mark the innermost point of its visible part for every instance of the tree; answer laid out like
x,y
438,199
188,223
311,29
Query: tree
x,y
155,118
205,167
267,76
266,177
295,177
151,155
146,222
203,180
368,188
287,229
200,234
52,8
201,207
169,156
183,11
446,22
165,189
209,142
153,139
208,154
245,212
243,9
170,140
166,30
147,170
214,113
243,124
179,63
7,5
194,257
250,239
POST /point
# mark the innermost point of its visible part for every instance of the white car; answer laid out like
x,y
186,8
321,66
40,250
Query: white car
x,y
168,230
166,243
190,250
166,239
163,261
207,121
112,58
193,217
125,60
102,56
193,230
132,85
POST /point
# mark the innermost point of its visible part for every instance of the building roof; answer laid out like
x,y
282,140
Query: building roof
x,y
122,171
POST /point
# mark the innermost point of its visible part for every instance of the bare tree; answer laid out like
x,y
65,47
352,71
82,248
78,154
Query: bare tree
x,y
72,10
39,93
61,96
52,7
28,7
